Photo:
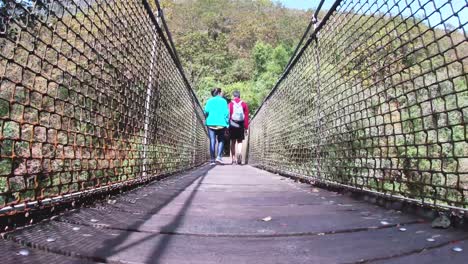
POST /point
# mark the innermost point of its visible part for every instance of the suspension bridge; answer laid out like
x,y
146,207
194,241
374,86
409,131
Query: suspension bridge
x,y
359,154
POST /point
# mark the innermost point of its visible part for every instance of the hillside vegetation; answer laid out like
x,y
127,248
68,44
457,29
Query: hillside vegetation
x,y
236,45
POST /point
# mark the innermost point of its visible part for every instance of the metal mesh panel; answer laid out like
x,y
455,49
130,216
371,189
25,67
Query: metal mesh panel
x,y
376,100
90,95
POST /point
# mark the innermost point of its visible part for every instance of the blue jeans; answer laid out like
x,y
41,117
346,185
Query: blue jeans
x,y
216,134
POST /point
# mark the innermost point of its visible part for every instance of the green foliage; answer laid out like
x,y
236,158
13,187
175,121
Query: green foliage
x,y
279,59
240,70
5,167
235,45
205,56
262,56
4,108
205,86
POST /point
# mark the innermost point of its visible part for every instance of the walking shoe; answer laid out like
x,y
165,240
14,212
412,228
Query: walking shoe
x,y
239,159
212,162
219,160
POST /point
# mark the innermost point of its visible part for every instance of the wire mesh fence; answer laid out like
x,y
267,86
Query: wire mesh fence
x,y
377,100
91,95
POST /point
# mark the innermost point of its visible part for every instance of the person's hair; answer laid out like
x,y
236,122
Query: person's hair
x,y
236,94
215,91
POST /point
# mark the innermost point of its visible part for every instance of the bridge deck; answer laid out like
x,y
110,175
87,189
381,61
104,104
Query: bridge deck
x,y
214,215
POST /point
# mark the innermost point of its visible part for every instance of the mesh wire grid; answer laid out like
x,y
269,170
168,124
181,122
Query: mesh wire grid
x,y
91,94
377,100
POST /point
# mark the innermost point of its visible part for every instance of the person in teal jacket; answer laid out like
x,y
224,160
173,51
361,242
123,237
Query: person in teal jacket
x,y
217,121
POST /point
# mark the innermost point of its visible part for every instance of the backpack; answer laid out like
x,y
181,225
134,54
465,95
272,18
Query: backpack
x,y
237,111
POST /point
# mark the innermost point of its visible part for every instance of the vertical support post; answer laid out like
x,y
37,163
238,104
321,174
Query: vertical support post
x,y
149,92
318,113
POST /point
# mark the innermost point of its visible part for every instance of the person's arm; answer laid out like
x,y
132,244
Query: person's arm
x,y
226,114
231,109
246,116
207,109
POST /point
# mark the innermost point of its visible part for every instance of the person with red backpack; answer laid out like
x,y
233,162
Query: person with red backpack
x,y
238,126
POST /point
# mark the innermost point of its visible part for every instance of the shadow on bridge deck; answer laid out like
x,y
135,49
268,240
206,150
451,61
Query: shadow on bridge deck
x,y
214,215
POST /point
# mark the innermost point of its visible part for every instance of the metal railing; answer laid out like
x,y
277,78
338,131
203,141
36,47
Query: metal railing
x,y
91,95
376,100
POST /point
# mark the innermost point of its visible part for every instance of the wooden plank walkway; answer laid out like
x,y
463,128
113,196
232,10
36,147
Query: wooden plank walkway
x,y
214,215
